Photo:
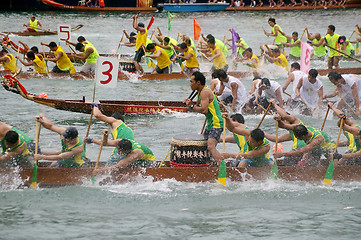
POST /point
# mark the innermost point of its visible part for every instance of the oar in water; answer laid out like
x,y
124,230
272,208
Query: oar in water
x,y
306,104
274,168
331,166
35,168
264,115
119,45
222,171
348,105
100,152
46,62
324,120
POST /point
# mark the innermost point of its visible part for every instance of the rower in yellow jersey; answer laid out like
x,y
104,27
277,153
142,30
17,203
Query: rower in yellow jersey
x,y
218,58
278,58
8,61
163,61
192,64
33,25
34,60
141,42
63,63
250,59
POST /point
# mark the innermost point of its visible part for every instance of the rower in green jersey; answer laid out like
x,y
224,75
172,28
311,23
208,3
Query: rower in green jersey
x,y
346,46
297,143
256,146
276,32
218,42
207,104
17,148
295,44
331,39
136,155
352,132
238,121
90,55
72,154
317,143
117,127
315,40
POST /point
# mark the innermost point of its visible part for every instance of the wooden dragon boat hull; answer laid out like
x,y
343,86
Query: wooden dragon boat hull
x,y
55,177
195,7
41,33
60,6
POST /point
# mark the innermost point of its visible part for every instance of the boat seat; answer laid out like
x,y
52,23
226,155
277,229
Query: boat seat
x,y
81,2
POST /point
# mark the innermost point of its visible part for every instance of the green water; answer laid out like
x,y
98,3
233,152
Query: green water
x,y
170,209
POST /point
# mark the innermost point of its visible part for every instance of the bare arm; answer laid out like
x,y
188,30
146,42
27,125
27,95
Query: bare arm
x,y
48,124
133,156
60,156
316,142
14,154
290,79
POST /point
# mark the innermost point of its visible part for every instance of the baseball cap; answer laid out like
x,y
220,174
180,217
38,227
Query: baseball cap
x,y
70,132
140,24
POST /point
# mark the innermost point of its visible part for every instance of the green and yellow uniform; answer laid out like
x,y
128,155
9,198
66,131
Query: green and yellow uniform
x,y
220,61
213,115
295,50
40,66
326,146
333,42
261,160
351,148
64,63
284,62
191,62
147,153
279,38
23,159
92,58
141,38
75,161
319,51
122,132
297,143
170,52
241,142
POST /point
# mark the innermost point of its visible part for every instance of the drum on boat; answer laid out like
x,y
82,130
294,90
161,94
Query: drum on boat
x,y
189,150
127,66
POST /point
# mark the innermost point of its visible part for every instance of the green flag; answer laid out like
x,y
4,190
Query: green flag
x,y
170,19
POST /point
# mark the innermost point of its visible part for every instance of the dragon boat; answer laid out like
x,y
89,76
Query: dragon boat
x,y
41,32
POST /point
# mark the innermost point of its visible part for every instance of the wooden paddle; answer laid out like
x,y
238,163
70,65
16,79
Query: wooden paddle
x,y
264,115
274,168
222,171
205,56
35,168
17,55
161,164
46,62
324,120
302,35
71,50
331,166
121,40
100,152
343,53
348,105
306,103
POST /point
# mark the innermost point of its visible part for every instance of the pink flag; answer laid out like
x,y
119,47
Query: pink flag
x,y
305,57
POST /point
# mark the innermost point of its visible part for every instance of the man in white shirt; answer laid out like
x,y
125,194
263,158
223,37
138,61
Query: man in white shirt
x,y
266,90
293,77
348,87
239,92
310,90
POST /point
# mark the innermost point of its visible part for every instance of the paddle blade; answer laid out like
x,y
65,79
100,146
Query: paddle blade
x,y
329,173
357,47
35,175
274,171
222,173
93,179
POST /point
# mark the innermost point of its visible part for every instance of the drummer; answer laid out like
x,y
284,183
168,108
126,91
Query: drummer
x,y
256,154
207,104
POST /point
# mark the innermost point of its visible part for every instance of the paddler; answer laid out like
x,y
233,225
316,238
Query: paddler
x,y
63,63
118,129
318,143
226,95
17,147
250,59
208,105
331,39
163,61
168,48
295,44
189,41
319,50
218,58
219,43
293,77
192,64
277,58
346,46
257,146
141,42
348,87
34,60
90,55
8,61
80,39
72,153
276,32
33,25
137,155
